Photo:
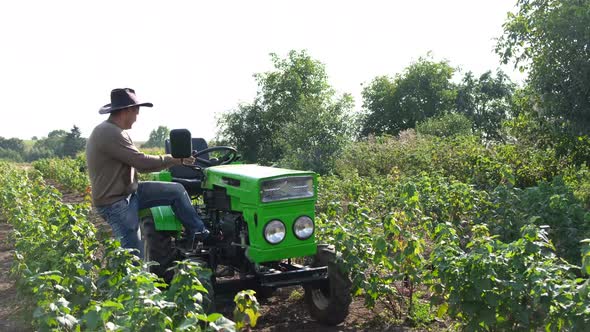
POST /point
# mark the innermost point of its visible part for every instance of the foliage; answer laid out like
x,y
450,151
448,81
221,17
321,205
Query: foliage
x,y
528,126
53,143
383,251
67,171
390,228
152,151
157,138
12,149
422,91
445,125
518,286
247,309
313,140
77,281
461,157
58,143
14,144
40,152
551,205
10,155
578,180
73,143
549,39
486,101
296,117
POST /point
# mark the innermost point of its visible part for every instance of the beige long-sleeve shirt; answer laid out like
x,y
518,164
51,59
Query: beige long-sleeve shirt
x,y
113,162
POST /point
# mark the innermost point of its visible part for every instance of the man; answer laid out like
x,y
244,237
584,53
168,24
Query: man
x,y
113,162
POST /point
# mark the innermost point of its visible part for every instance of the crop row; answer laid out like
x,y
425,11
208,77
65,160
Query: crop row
x,y
506,259
74,280
67,171
492,257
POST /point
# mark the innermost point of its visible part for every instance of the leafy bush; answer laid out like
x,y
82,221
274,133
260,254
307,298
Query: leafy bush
x,y
461,157
10,155
551,205
446,125
77,281
578,179
516,286
67,171
389,231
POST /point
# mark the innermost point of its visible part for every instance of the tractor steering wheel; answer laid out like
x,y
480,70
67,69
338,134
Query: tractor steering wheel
x,y
230,156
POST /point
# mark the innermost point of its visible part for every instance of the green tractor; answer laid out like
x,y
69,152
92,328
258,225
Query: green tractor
x,y
266,216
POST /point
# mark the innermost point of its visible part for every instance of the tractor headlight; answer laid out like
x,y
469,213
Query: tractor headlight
x,y
274,231
286,188
303,227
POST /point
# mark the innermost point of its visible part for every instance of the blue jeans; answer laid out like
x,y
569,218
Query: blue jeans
x,y
123,217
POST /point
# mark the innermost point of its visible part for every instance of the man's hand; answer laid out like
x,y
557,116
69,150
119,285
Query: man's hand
x,y
184,161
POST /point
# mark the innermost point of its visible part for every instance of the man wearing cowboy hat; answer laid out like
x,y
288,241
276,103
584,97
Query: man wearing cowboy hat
x,y
113,162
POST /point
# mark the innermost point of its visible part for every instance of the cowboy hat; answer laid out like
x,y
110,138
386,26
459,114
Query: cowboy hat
x,y
120,99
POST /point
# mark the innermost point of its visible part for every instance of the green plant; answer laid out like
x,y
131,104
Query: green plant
x,y
517,286
67,171
445,125
77,282
247,309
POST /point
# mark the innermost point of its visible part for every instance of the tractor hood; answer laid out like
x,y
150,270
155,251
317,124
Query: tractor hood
x,y
253,172
253,184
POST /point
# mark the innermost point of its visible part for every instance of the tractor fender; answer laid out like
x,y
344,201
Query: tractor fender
x,y
164,218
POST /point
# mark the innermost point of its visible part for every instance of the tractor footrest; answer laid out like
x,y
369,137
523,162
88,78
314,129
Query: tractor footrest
x,y
293,277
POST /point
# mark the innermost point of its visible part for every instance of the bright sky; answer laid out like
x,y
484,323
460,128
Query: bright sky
x,y
195,59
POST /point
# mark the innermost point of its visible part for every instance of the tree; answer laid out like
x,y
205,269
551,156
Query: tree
x,y
295,119
12,149
549,39
73,143
157,138
14,144
446,125
50,146
325,135
245,128
10,155
486,101
423,90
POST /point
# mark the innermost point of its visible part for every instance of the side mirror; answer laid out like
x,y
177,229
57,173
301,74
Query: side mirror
x,y
181,144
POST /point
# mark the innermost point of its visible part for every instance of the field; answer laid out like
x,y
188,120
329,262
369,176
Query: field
x,y
283,311
455,200
435,233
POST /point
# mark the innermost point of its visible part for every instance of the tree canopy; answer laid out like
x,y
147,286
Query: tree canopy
x,y
423,90
296,118
549,39
157,138
486,101
73,143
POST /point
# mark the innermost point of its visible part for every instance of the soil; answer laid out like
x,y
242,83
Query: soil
x,y
284,311
12,308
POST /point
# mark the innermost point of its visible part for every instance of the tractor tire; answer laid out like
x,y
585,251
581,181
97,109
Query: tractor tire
x,y
158,247
328,301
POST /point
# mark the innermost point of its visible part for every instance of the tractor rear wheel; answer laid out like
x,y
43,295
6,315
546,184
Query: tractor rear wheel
x,y
158,247
328,301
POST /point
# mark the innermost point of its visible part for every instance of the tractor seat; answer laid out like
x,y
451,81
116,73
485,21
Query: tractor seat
x,y
192,186
187,177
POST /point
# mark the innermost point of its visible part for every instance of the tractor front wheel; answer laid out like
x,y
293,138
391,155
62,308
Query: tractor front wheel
x,y
328,301
158,247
